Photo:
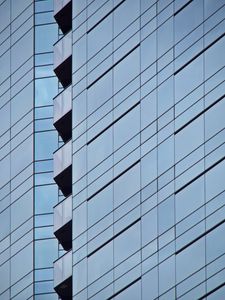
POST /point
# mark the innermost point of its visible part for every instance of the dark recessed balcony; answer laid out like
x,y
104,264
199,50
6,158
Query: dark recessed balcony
x,y
63,276
63,222
63,168
63,59
63,114
63,14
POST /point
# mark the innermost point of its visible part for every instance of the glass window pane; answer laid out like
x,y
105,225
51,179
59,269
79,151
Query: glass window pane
x,y
45,144
149,226
188,19
150,285
165,155
189,199
5,278
189,138
79,219
214,119
127,243
4,223
148,109
148,167
25,48
190,260
22,103
215,181
165,37
22,262
166,274
18,7
101,33
79,108
215,58
45,37
127,70
46,197
211,6
100,205
100,262
215,244
100,92
165,95
4,165
45,90
25,153
127,185
166,214
122,19
79,53
131,293
127,127
5,118
148,51
189,78
4,15
22,210
46,251
5,66
79,164
102,146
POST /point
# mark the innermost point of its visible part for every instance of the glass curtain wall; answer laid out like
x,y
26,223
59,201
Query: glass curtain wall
x,y
148,149
16,149
46,142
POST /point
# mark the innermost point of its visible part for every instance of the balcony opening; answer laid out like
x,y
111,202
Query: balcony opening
x,y
64,290
64,72
64,181
62,159
63,114
63,222
64,126
64,236
63,276
63,14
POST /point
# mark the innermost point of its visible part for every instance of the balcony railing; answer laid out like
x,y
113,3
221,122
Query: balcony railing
x,y
63,276
63,14
63,168
63,59
63,222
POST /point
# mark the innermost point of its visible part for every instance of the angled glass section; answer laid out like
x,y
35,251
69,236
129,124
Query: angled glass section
x,y
63,59
63,276
63,168
63,113
63,14
63,222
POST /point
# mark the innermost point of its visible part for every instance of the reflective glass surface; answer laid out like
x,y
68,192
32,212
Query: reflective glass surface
x,y
147,149
148,92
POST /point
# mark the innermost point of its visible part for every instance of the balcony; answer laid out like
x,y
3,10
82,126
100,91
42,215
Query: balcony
x,y
63,168
63,222
63,113
63,14
63,59
63,276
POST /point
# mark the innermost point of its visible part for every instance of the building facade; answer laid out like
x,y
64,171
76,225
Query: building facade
x,y
131,203
28,138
